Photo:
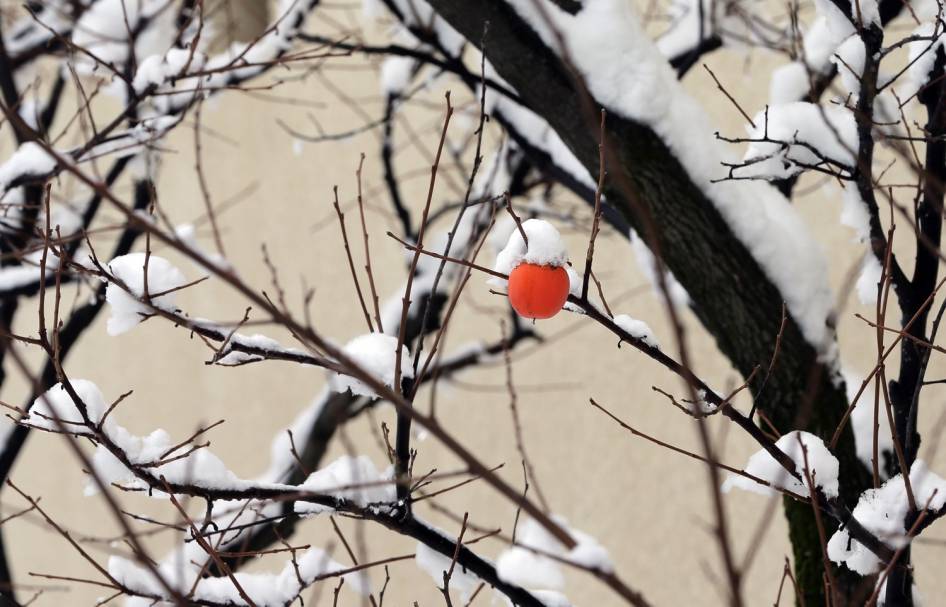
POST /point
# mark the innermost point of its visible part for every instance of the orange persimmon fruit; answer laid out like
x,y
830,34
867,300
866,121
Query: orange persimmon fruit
x,y
538,291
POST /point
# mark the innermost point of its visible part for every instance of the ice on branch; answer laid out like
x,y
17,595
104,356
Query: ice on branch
x,y
263,589
545,248
349,478
29,160
822,466
375,353
638,329
127,309
793,137
56,403
529,563
883,512
436,565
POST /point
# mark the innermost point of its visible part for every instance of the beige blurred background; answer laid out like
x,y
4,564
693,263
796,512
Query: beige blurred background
x,y
648,506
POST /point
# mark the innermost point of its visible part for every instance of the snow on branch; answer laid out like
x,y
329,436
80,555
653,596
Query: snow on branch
x,y
812,460
791,138
533,560
375,352
263,589
29,161
144,277
884,512
354,479
35,161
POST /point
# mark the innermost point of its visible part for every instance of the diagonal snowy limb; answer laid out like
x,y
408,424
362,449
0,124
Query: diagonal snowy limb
x,y
688,221
738,299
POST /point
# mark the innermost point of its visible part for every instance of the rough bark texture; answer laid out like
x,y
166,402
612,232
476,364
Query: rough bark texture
x,y
733,298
